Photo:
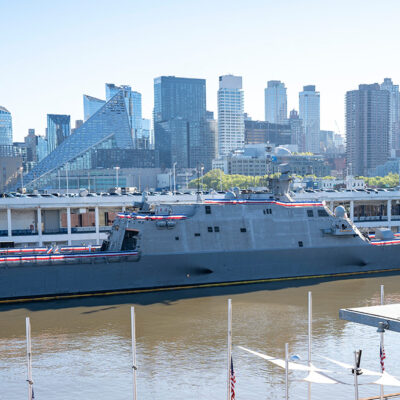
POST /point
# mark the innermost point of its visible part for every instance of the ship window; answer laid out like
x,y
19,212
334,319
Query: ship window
x,y
322,213
210,229
208,209
176,237
310,213
197,234
242,229
216,228
300,244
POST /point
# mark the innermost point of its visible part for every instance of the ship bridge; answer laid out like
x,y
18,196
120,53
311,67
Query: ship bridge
x,y
368,209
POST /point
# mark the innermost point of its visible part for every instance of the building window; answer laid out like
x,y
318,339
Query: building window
x,y
216,228
176,237
242,229
208,209
310,213
197,234
300,244
210,229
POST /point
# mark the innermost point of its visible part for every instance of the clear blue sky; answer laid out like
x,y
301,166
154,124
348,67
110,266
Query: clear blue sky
x,y
52,52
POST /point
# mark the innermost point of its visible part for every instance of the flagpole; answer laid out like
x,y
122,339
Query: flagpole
x,y
228,394
382,340
309,337
355,372
286,371
134,368
29,358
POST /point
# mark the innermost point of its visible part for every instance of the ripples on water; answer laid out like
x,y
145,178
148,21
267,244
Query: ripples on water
x,y
81,348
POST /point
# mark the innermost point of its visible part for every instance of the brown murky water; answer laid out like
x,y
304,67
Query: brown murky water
x,y
81,347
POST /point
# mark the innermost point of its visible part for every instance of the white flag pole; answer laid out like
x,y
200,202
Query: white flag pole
x,y
382,338
286,371
29,357
309,337
355,373
228,395
134,367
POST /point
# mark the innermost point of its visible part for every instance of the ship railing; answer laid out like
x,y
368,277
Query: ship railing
x,y
79,258
152,217
49,250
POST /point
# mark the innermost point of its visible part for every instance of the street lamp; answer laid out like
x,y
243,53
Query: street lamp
x,y
66,175
21,170
202,183
174,177
116,175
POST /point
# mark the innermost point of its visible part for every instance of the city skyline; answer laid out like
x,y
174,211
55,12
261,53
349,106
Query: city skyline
x,y
53,67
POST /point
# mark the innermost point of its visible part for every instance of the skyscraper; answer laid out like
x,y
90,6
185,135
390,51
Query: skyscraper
x,y
111,90
296,127
394,124
146,141
91,105
6,137
136,120
180,121
133,103
275,102
58,128
230,114
211,142
309,112
367,128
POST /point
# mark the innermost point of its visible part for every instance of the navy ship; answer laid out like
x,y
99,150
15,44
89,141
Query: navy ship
x,y
241,238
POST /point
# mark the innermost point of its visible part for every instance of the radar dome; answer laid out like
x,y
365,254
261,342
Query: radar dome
x,y
340,212
282,151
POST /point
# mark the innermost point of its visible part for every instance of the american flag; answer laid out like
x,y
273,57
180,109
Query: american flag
x,y
382,357
233,381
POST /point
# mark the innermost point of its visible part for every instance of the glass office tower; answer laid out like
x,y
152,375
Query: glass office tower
x,y
180,122
58,128
6,137
91,105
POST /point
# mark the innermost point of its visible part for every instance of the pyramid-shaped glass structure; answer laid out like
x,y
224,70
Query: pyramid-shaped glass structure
x,y
108,128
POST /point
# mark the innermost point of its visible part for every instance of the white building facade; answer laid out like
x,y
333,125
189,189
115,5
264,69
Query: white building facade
x,y
275,98
309,112
230,114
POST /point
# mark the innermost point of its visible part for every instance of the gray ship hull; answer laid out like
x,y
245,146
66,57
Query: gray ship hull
x,y
155,272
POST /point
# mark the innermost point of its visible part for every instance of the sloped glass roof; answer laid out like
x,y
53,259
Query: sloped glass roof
x,y
110,121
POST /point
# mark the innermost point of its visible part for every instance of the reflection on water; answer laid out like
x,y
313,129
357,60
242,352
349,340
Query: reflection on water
x,y
81,347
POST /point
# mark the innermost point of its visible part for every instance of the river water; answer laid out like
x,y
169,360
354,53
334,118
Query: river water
x,y
81,347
